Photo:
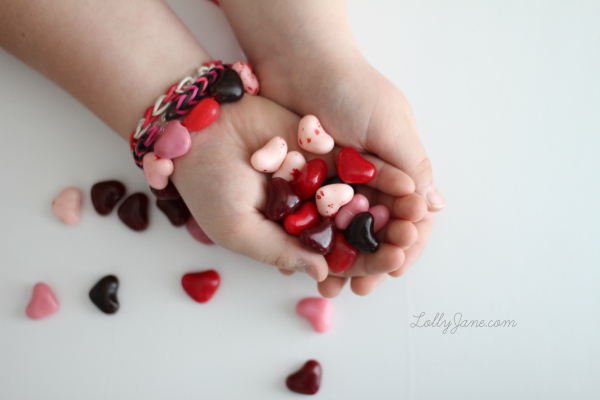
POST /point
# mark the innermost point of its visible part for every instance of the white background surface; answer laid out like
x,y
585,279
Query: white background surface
x,y
507,98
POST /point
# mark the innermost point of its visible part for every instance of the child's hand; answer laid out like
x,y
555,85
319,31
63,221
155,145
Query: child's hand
x,y
227,196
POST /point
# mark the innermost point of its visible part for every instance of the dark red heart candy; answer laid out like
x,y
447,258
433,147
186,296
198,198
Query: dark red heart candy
x,y
106,195
134,212
305,217
282,199
168,193
307,379
175,210
342,255
319,238
353,168
311,178
201,286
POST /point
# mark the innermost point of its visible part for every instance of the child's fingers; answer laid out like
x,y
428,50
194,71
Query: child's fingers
x,y
410,208
389,179
332,286
388,258
363,285
400,233
286,271
413,252
267,242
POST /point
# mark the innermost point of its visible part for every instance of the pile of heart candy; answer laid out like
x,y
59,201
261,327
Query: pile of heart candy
x,y
317,209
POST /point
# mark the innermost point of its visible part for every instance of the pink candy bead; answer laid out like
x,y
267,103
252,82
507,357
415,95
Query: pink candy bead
x,y
292,166
312,137
43,302
271,156
197,232
331,197
248,78
381,214
318,311
157,170
358,204
174,142
67,206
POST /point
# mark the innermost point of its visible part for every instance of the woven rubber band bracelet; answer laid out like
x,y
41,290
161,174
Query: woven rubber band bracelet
x,y
161,136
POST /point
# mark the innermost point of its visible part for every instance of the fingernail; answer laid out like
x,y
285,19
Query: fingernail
x,y
309,269
434,198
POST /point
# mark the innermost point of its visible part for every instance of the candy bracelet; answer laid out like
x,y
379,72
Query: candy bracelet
x,y
162,136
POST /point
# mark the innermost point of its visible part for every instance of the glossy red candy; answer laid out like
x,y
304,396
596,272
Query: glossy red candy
x,y
319,238
353,168
342,255
311,178
176,210
106,195
201,286
168,193
282,199
307,216
134,212
202,115
307,379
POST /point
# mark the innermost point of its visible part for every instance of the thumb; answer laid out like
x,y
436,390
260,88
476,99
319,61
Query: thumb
x,y
422,174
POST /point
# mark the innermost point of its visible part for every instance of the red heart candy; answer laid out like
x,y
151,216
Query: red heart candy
x,y
353,168
307,216
311,177
202,115
201,286
342,255
307,379
282,199
319,238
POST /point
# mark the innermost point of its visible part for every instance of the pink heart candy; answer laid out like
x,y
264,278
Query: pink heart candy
x,y
271,156
174,142
318,311
381,214
43,302
312,137
331,197
157,170
248,79
67,206
292,166
358,204
197,232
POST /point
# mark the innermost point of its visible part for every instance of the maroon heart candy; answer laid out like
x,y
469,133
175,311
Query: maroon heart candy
x,y
170,192
134,212
319,239
106,195
282,199
307,379
176,210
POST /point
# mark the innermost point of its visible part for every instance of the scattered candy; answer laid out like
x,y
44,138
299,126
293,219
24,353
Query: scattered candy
x,y
358,204
381,214
319,238
330,198
104,294
197,232
292,165
307,379
201,286
360,234
318,311
249,80
228,87
157,170
43,302
174,142
67,206
305,217
311,178
342,255
312,137
176,210
106,195
271,156
168,193
202,115
353,168
134,212
336,179
282,199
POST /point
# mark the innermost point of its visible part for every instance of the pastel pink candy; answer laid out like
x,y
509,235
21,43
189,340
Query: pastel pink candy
x,y
331,197
43,302
358,204
271,156
318,311
248,78
67,206
157,170
292,166
312,137
174,142
381,214
197,232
